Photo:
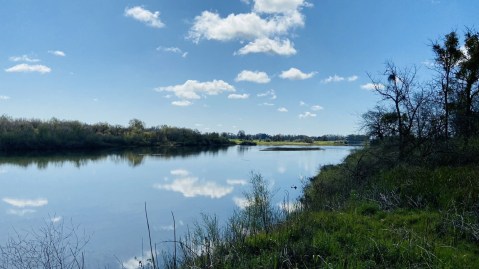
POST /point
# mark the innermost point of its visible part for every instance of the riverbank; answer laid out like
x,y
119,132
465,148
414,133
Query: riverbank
x,y
373,210
289,143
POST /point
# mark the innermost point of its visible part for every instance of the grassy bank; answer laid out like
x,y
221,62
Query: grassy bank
x,y
371,211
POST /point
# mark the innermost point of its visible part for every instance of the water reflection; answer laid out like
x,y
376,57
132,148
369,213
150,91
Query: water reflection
x,y
133,157
191,186
22,207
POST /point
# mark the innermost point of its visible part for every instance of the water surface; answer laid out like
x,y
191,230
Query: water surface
x,y
104,192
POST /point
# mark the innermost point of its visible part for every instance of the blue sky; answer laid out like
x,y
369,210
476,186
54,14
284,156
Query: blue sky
x,y
272,66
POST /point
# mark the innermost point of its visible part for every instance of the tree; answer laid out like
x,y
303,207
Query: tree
x,y
468,75
241,134
397,92
447,58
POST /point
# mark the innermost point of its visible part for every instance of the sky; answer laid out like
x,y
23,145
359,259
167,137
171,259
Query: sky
x,y
262,66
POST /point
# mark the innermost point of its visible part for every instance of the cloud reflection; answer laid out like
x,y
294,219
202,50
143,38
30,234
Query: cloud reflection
x,y
20,212
25,202
193,187
179,172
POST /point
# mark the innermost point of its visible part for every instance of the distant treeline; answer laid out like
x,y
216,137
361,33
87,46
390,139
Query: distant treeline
x,y
54,134
348,139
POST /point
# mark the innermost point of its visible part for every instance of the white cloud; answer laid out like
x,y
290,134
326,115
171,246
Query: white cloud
x,y
334,78
307,114
240,182
302,103
238,96
270,46
192,187
372,86
173,50
271,94
253,76
182,103
296,74
180,172
58,53
27,68
23,58
4,98
353,78
241,202
278,6
282,109
192,88
266,104
25,202
317,108
143,15
266,27
244,26
289,207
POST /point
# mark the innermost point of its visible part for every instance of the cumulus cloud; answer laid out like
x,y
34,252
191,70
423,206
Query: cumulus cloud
x,y
334,78
337,78
174,50
279,6
317,108
4,98
22,203
353,78
307,114
271,94
238,96
372,86
266,104
144,15
240,182
244,26
23,58
253,76
192,89
289,207
282,109
193,187
270,46
27,68
295,74
182,103
241,202
58,53
266,28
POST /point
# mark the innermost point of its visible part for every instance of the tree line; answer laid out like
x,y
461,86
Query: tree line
x,y
349,139
54,134
413,114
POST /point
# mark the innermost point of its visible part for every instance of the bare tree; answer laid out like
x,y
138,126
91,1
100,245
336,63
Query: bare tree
x,y
398,93
53,246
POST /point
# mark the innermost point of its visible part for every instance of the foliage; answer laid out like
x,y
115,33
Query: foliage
x,y
23,134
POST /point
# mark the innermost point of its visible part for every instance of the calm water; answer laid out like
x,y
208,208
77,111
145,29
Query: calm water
x,y
104,193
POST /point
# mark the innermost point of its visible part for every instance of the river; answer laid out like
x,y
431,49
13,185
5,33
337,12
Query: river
x,y
103,194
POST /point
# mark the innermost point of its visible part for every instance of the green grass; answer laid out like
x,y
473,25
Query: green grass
x,y
374,210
